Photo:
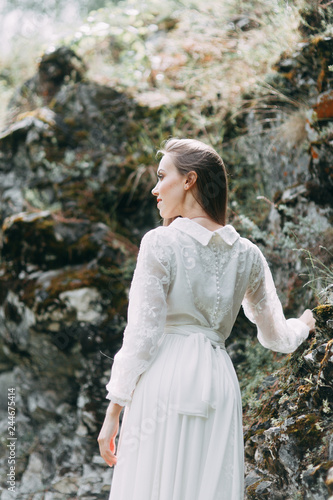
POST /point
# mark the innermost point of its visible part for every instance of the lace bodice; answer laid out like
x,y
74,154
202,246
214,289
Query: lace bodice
x,y
187,275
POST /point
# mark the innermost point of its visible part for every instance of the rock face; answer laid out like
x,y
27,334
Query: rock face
x,y
286,154
74,201
288,440
288,421
56,68
72,207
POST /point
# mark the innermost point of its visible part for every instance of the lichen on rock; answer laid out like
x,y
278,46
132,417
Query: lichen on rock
x,y
287,438
77,162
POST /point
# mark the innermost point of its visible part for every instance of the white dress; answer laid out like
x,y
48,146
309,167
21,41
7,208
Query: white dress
x,y
181,436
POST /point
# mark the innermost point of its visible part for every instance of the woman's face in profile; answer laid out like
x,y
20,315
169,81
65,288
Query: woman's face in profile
x,y
169,190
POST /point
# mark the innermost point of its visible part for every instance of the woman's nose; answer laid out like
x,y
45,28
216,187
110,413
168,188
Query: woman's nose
x,y
154,191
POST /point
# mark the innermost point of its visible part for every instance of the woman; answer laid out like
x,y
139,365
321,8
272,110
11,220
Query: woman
x,y
181,436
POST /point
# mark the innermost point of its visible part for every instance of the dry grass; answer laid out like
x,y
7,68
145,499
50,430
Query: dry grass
x,y
207,55
293,132
226,60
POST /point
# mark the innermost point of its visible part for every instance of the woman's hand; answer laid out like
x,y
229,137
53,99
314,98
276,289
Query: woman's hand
x,y
308,319
108,433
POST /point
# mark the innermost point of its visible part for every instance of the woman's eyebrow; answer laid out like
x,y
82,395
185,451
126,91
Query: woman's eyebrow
x,y
160,171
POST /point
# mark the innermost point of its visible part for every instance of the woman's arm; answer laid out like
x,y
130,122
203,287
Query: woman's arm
x,y
263,307
146,316
145,326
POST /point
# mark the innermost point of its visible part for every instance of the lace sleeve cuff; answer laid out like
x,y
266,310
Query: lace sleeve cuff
x,y
118,401
297,333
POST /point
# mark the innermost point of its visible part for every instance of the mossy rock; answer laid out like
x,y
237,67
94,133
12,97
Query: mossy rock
x,y
306,71
323,314
286,435
45,240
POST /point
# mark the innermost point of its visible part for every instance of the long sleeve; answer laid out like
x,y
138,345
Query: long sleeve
x,y
145,319
263,307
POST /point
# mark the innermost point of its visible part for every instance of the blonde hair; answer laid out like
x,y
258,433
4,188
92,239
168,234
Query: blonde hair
x,y
211,185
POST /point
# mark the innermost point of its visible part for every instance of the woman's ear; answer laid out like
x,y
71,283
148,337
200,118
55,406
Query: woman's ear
x,y
191,179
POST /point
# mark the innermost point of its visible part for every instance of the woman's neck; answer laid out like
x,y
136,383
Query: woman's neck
x,y
206,221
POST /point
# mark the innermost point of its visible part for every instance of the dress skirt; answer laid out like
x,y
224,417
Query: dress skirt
x,y
182,437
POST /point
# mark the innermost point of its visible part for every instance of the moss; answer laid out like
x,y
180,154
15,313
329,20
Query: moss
x,y
306,432
251,490
323,313
97,183
72,279
300,406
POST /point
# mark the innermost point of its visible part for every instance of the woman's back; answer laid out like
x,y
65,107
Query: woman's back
x,y
209,274
182,437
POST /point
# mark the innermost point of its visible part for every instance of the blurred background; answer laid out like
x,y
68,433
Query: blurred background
x,y
89,90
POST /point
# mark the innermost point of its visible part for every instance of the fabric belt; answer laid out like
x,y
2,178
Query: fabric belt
x,y
213,336
196,376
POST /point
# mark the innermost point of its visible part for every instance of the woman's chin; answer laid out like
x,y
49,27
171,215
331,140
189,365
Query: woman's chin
x,y
165,215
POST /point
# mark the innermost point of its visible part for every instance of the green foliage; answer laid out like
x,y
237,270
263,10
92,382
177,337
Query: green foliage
x,y
258,364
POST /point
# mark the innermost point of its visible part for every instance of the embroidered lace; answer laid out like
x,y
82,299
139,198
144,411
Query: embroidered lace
x,y
185,275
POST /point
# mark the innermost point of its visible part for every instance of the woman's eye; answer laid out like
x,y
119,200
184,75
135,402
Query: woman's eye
x,y
160,177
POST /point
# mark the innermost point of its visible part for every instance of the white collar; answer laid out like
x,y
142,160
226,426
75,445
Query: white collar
x,y
228,233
